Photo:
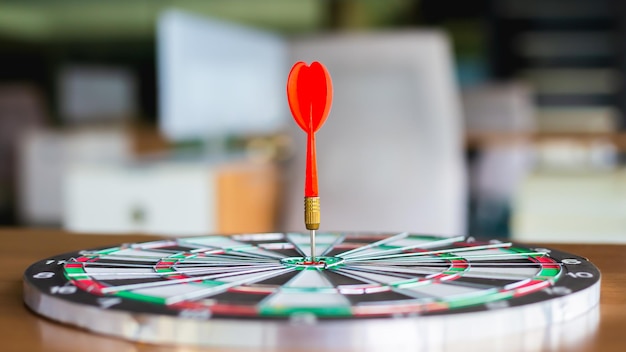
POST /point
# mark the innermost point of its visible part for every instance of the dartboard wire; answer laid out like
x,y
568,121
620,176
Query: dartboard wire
x,y
150,245
181,265
301,247
390,269
110,256
117,265
222,288
295,246
371,281
219,264
206,257
402,289
427,253
256,255
113,289
164,273
414,259
437,243
355,275
421,297
330,247
245,253
242,249
199,270
374,244
221,259
473,264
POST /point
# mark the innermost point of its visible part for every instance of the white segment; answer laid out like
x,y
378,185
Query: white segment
x,y
400,261
513,273
259,237
397,269
476,249
247,277
408,242
130,259
119,273
377,278
170,290
483,254
309,278
138,253
228,243
221,288
442,290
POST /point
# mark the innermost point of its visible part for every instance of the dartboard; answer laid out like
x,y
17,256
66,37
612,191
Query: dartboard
x,y
264,290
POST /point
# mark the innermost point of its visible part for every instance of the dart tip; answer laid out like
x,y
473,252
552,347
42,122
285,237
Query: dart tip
x,y
312,237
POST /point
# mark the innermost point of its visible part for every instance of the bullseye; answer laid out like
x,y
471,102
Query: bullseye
x,y
302,263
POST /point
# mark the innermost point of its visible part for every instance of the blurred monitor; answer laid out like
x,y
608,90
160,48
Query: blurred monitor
x,y
218,78
96,93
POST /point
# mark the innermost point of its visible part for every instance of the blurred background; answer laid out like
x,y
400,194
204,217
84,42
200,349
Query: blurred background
x,y
499,118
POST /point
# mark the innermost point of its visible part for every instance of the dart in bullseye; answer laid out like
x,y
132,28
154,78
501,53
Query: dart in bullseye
x,y
310,94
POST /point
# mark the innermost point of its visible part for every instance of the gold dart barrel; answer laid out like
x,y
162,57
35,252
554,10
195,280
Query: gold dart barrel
x,y
312,213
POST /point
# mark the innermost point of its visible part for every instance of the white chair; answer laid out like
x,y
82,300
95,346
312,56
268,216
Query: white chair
x,y
390,156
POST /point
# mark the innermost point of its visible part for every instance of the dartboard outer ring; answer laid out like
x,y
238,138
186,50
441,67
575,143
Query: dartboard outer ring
x,y
66,288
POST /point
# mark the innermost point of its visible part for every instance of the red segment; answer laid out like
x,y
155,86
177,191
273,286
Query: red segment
x,y
73,265
547,263
90,286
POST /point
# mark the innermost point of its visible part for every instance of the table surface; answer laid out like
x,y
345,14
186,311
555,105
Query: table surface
x,y
21,330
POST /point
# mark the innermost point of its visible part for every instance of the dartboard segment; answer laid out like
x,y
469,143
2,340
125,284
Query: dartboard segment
x,y
211,282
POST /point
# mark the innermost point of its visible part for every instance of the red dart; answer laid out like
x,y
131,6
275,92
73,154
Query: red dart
x,y
310,94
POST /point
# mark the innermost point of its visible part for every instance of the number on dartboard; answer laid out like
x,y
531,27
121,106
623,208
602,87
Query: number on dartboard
x,y
570,261
580,275
63,290
57,262
43,275
543,250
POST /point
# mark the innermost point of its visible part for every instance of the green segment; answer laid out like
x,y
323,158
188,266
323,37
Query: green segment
x,y
140,297
109,250
548,273
479,299
341,311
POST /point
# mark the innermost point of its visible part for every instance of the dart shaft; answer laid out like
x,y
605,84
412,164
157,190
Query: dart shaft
x,y
312,213
310,181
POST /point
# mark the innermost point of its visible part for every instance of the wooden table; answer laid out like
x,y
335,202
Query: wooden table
x,y
21,330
